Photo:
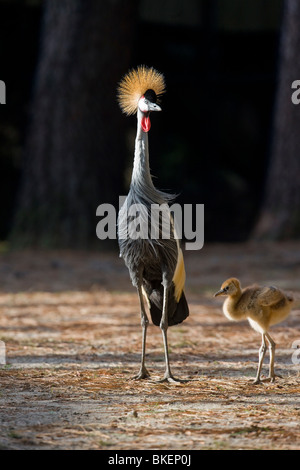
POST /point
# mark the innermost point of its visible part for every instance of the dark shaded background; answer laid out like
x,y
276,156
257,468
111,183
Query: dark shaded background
x,y
211,144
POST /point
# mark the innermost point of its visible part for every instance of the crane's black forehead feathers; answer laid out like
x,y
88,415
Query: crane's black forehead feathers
x,y
151,96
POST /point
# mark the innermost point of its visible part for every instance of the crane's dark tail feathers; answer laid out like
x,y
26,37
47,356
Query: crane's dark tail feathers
x,y
177,311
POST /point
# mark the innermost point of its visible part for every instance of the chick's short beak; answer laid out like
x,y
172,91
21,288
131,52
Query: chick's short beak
x,y
220,292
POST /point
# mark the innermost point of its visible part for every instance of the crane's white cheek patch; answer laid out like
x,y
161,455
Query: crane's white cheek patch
x,y
146,123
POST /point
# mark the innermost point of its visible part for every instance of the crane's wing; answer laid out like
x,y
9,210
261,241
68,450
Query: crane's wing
x,y
269,296
177,307
179,276
177,311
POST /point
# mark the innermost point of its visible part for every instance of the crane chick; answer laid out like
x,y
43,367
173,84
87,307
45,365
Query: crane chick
x,y
262,307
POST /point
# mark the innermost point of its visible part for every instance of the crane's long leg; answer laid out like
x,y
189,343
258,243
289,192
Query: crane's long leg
x,y
262,352
143,373
168,376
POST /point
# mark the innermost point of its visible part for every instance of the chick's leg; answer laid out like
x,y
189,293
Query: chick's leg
x,y
262,352
272,347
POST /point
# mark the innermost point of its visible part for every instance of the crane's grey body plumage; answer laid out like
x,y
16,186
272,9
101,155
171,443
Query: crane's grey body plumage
x,y
157,258
152,262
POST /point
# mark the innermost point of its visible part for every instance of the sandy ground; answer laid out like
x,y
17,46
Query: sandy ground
x,y
71,328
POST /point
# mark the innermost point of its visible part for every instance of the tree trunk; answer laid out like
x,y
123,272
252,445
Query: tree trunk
x,y
74,155
280,215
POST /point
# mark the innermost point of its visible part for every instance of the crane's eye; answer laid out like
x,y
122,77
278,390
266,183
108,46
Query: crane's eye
x,y
146,101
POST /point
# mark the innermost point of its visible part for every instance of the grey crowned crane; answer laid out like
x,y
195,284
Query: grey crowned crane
x,y
155,265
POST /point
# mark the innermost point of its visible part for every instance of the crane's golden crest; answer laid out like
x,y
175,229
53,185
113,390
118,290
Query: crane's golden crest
x,y
135,84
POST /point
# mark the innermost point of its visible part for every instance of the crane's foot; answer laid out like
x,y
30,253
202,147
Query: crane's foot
x,y
169,377
256,381
143,374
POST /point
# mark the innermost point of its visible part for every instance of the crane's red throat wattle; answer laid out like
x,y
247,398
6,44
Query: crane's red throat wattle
x,y
146,123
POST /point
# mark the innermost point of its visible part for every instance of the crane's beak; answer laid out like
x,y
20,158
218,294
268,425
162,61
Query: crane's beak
x,y
154,107
220,292
145,122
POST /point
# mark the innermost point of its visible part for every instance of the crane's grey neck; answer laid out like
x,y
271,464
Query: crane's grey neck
x,y
142,188
141,177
